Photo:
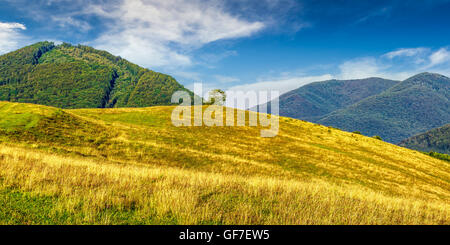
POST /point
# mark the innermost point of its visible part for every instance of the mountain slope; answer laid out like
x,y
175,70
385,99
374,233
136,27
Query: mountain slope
x,y
132,166
415,105
313,101
437,140
69,76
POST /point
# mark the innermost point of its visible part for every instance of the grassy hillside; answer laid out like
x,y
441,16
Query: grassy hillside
x,y
131,166
67,76
415,105
313,101
437,140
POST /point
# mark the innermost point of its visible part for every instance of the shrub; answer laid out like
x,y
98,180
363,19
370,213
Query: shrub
x,y
377,137
440,156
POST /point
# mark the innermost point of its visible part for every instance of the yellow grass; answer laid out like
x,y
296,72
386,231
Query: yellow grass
x,y
192,197
149,172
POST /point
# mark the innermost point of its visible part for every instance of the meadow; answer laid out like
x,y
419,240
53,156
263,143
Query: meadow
x,y
132,166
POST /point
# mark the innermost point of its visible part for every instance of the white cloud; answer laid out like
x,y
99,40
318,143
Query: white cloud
x,y
408,52
10,36
281,85
161,33
360,68
439,57
10,26
377,67
421,59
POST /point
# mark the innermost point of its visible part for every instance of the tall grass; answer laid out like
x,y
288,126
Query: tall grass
x,y
132,166
87,191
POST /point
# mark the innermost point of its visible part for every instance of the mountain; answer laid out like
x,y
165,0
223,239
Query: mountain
x,y
313,101
132,166
437,140
67,76
415,105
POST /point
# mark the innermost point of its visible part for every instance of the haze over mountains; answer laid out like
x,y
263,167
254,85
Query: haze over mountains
x,y
69,76
374,106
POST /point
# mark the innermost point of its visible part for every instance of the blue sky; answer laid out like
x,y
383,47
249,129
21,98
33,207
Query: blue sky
x,y
246,44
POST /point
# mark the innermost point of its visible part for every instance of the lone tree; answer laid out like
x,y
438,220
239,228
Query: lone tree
x,y
217,97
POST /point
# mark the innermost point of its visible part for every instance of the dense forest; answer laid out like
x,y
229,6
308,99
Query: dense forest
x,y
437,140
68,76
413,106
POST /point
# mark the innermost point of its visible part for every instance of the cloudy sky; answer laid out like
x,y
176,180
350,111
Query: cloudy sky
x,y
246,44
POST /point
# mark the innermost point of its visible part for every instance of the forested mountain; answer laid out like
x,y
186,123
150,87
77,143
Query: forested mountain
x,y
415,105
437,140
373,106
313,101
69,76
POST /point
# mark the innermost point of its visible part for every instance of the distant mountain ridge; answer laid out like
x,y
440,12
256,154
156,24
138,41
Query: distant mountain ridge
x,y
391,109
315,100
437,140
415,105
68,76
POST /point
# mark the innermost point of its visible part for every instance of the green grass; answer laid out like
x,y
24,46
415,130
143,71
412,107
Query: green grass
x,y
20,116
138,117
24,208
